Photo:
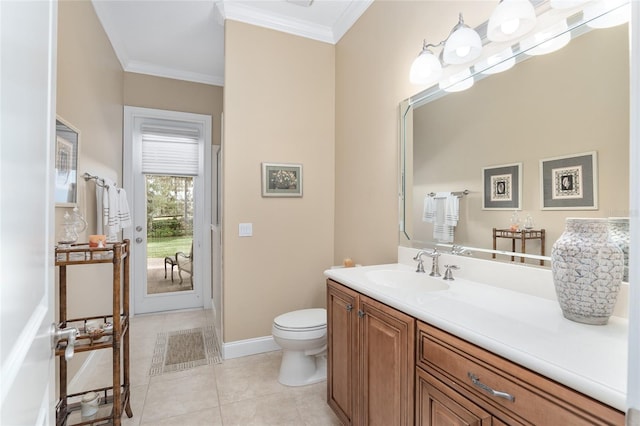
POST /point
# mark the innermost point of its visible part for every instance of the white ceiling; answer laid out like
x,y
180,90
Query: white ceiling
x,y
184,39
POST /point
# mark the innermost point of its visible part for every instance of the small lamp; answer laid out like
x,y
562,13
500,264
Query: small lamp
x,y
426,68
463,44
607,13
555,38
457,82
510,20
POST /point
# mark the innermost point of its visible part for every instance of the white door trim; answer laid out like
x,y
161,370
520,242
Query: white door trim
x,y
130,115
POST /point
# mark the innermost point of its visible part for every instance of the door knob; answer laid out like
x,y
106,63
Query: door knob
x,y
138,240
68,334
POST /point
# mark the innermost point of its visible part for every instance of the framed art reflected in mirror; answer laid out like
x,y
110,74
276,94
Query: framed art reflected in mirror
x,y
66,167
502,187
569,182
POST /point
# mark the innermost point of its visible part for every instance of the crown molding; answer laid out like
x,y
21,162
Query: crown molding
x,y
159,71
353,12
247,14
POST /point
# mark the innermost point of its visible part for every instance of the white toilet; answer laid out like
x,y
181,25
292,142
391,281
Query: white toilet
x,y
302,335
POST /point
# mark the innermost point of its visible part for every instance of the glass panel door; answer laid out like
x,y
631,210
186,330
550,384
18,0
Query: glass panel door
x,y
170,212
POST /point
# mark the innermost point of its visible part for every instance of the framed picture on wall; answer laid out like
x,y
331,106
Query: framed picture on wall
x,y
281,180
66,169
502,187
569,182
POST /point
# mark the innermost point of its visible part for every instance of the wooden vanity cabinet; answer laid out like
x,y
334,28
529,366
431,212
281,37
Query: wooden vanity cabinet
x,y
447,395
370,359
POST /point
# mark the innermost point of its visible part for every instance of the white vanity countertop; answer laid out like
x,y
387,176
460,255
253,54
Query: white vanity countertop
x,y
525,329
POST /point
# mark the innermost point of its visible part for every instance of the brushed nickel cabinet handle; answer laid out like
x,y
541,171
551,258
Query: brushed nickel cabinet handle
x,y
360,313
476,382
349,307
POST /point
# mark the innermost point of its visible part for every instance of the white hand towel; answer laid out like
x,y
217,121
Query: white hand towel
x,y
451,210
429,209
99,210
124,215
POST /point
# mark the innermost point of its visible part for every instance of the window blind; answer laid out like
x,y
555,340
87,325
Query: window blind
x,y
173,151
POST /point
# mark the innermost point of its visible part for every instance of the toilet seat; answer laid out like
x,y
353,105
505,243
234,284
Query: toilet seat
x,y
302,320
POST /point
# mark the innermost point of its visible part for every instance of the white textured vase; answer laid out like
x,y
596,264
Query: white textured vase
x,y
619,233
587,271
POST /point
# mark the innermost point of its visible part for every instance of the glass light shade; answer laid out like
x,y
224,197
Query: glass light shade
x,y
551,44
510,20
621,14
462,46
497,63
426,69
457,82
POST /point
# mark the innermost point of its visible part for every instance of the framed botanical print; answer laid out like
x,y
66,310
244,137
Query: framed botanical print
x,y
502,187
569,182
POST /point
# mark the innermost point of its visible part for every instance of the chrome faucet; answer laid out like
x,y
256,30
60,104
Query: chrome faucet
x,y
435,270
418,257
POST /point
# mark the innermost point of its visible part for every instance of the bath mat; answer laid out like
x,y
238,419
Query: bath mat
x,y
184,349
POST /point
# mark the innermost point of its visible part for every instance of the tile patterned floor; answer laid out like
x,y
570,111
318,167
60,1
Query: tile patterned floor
x,y
239,392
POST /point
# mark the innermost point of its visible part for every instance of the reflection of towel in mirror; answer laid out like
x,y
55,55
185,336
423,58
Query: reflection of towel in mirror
x,y
443,211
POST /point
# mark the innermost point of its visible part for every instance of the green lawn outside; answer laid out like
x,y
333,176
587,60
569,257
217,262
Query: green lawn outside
x,y
159,248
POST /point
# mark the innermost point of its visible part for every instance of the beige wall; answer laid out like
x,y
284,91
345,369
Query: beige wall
x,y
89,97
372,77
148,91
564,108
279,107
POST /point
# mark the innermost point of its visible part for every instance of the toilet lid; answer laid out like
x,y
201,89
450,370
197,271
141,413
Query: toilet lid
x,y
302,319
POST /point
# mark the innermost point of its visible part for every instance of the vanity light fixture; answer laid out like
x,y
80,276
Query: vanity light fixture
x,y
557,36
463,44
511,19
620,12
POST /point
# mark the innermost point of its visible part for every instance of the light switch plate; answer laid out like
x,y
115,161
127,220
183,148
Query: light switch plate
x,y
245,229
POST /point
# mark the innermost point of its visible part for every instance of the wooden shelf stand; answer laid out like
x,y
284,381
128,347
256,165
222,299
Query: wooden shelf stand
x,y
115,399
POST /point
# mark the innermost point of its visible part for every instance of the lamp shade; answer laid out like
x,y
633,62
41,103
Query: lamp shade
x,y
607,13
510,20
494,64
462,46
457,82
426,68
543,42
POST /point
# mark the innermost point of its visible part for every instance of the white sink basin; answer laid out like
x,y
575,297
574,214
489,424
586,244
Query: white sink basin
x,y
403,279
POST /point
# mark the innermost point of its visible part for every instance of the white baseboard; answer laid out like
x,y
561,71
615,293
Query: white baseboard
x,y
241,348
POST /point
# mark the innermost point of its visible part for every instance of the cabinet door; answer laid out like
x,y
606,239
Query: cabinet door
x,y
342,372
439,405
387,363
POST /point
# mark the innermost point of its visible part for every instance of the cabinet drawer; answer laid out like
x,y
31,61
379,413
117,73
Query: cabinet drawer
x,y
499,385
